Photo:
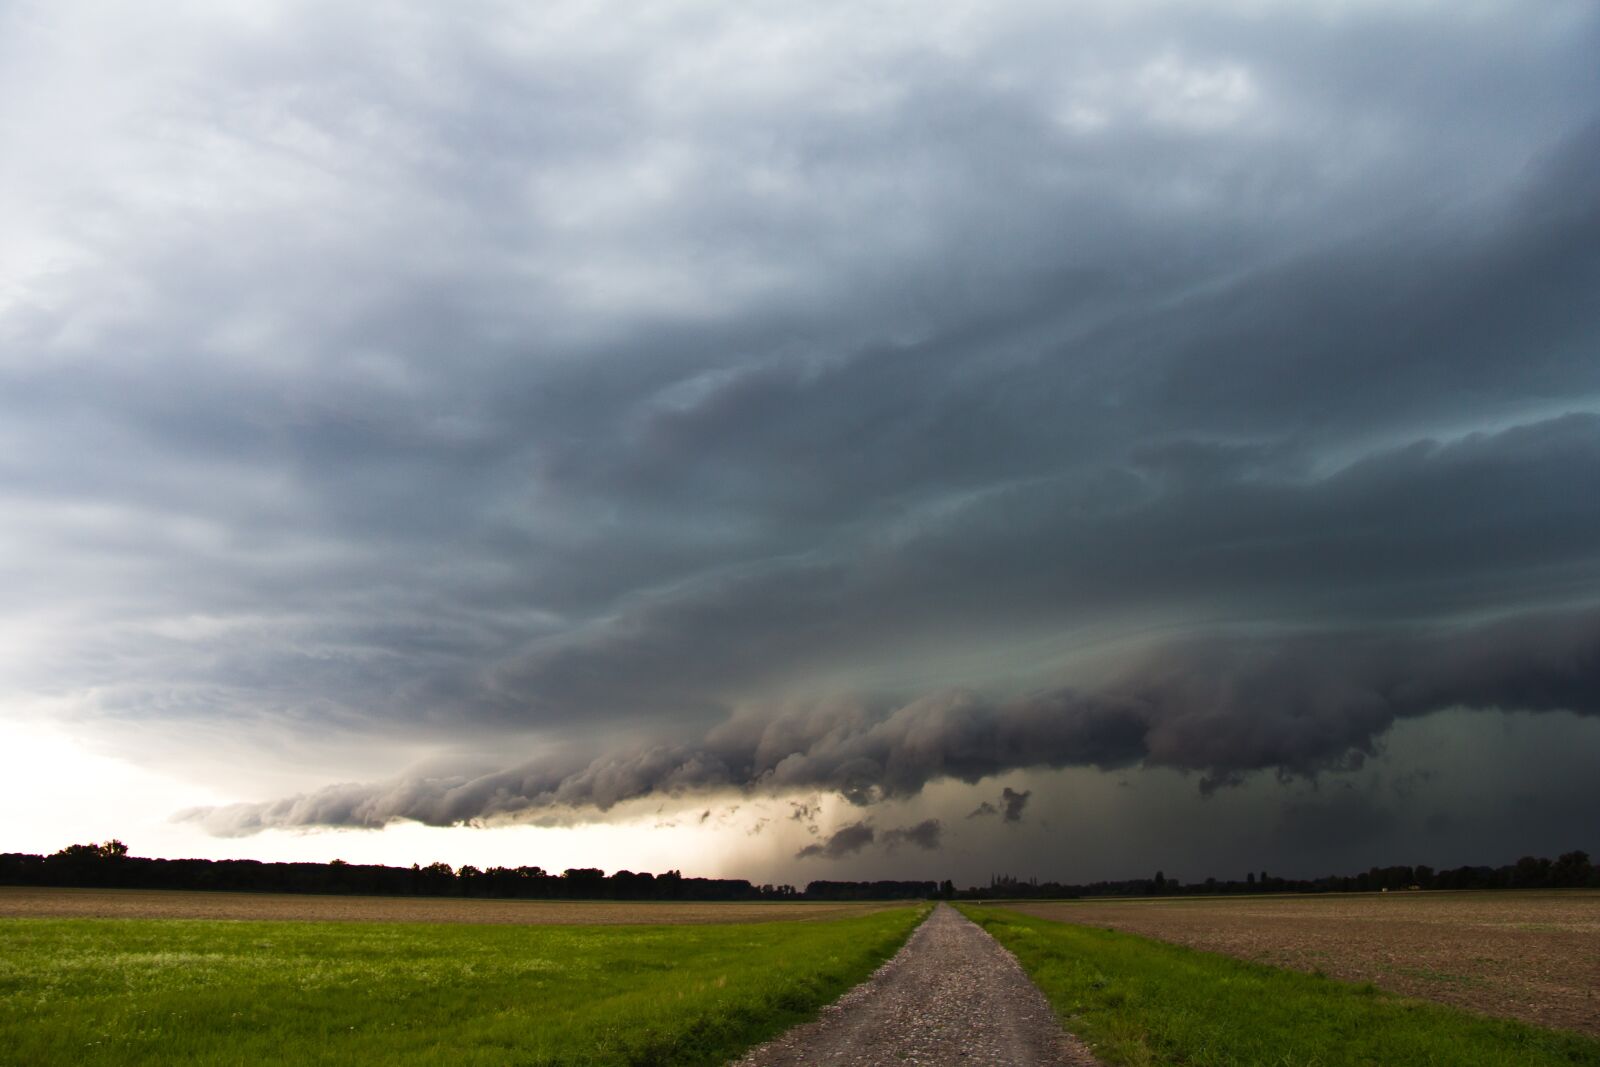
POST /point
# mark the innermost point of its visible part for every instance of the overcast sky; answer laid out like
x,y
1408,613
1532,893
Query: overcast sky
x,y
802,441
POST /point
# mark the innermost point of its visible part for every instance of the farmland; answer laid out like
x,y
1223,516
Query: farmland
x,y
1533,956
29,902
91,991
1138,1001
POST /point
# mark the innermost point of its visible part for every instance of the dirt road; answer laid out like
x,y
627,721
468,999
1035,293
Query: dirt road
x,y
951,996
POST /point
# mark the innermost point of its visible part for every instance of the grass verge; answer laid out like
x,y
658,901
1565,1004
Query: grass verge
x,y
89,992
1142,1002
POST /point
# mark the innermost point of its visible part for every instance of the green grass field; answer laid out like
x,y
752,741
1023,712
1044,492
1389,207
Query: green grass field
x,y
130,991
1144,1002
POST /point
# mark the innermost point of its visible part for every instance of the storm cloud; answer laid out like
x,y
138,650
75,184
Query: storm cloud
x,y
1301,706
1012,803
845,841
925,835
853,838
512,414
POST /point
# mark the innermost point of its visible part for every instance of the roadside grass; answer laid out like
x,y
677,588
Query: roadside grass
x,y
90,992
1143,1003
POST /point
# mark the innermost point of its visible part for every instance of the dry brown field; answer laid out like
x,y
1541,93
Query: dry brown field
x,y
29,902
1531,955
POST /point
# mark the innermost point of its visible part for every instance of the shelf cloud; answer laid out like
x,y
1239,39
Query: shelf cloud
x,y
1299,706
495,415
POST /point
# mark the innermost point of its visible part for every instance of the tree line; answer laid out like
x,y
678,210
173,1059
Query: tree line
x,y
1571,870
108,865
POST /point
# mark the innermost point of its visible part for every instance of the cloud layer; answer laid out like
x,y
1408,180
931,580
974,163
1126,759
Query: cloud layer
x,y
575,405
1301,706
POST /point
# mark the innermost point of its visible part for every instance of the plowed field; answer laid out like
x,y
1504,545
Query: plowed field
x,y
1533,956
27,902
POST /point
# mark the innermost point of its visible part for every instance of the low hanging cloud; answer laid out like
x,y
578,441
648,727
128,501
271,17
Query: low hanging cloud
x,y
1014,803
1222,708
846,841
851,839
926,834
1011,805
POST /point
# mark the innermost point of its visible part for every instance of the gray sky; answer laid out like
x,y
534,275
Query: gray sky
x,y
801,435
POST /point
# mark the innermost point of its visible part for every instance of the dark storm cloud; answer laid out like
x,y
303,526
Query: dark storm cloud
x,y
850,840
924,835
622,389
1302,705
1011,804
843,842
1014,802
1423,529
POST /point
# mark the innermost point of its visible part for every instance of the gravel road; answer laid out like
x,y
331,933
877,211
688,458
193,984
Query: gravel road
x,y
951,996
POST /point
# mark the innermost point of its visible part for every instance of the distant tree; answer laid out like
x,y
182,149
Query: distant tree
x,y
1531,872
111,850
1571,869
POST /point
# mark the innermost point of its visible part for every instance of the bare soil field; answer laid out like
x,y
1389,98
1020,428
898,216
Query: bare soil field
x,y
30,902
1533,956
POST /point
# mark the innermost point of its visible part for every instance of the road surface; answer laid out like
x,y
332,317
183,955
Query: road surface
x,y
952,995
